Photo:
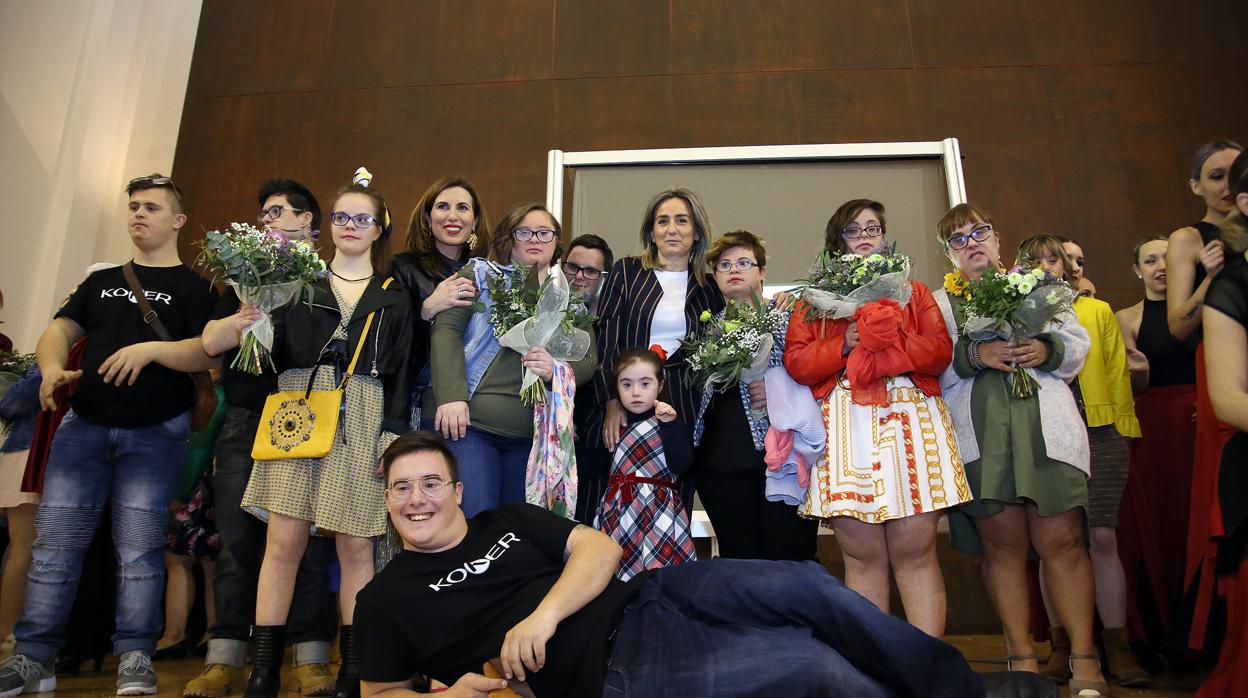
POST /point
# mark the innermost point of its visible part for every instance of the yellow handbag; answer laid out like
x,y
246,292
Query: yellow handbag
x,y
303,424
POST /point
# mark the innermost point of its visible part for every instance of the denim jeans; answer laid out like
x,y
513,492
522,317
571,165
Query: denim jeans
x,y
313,617
492,468
88,464
761,628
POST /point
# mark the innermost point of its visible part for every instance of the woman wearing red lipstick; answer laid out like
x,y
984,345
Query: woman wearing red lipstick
x,y
884,502
1193,259
442,236
476,382
1152,531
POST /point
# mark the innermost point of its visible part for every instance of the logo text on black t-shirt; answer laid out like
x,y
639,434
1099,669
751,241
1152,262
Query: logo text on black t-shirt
x,y
478,566
152,296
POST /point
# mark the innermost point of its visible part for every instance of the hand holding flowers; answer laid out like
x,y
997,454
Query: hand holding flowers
x,y
542,324
266,270
1015,306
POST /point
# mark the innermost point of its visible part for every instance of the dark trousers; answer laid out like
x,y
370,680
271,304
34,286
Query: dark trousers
x,y
765,628
312,614
748,526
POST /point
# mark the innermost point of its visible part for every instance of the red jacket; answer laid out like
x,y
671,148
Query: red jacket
x,y
813,351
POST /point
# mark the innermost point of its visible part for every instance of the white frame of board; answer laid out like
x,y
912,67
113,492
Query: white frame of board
x,y
947,150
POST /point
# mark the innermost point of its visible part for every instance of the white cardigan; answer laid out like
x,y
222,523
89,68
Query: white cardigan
x,y
1065,435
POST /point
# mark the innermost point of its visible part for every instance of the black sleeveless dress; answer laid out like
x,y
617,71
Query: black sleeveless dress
x,y
1170,361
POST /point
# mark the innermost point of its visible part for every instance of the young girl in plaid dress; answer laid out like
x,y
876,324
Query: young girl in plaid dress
x,y
642,510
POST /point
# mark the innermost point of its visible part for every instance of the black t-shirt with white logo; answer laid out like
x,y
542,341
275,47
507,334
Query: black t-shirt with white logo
x,y
103,306
445,614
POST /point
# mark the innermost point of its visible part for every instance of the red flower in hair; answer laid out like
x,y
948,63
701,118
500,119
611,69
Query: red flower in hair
x,y
658,349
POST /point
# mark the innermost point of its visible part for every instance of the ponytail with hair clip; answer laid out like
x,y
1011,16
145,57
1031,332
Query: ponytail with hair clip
x,y
659,351
364,178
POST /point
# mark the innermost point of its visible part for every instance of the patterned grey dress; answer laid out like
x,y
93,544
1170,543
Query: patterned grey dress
x,y
340,493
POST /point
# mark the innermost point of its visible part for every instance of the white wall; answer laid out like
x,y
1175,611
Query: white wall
x,y
91,95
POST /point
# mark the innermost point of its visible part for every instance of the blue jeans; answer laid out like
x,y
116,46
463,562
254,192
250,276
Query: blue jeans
x,y
139,469
492,468
756,627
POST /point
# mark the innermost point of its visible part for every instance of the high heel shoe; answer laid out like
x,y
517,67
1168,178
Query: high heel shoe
x,y
1082,688
1010,659
178,650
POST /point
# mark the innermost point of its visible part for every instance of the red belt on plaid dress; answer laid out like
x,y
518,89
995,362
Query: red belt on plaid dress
x,y
617,483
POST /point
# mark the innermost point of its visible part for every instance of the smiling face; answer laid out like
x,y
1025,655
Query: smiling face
x,y
452,218
1150,265
737,284
349,239
532,252
673,232
638,385
1213,185
424,522
977,256
864,244
153,221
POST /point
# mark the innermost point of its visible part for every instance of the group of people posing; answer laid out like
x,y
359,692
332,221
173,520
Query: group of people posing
x,y
1040,476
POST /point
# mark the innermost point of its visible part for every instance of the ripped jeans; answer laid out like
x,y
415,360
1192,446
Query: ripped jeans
x,y
138,468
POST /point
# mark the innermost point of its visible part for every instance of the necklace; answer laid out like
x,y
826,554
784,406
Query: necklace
x,y
354,281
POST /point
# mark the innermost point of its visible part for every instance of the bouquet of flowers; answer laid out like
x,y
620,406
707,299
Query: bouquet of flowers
x,y
266,270
12,367
840,284
1014,305
525,316
732,347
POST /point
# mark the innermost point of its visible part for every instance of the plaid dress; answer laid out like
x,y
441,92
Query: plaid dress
x,y
642,509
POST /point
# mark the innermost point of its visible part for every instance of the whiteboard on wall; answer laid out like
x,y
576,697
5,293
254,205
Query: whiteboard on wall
x,y
784,194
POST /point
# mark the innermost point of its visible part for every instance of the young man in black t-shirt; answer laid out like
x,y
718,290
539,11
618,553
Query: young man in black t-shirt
x,y
537,593
125,438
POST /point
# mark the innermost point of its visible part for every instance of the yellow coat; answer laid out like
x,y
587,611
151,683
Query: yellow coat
x,y
1105,381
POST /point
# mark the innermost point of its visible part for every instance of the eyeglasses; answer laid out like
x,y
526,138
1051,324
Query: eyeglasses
x,y
526,234
726,265
401,490
853,232
275,211
361,220
590,273
979,234
155,180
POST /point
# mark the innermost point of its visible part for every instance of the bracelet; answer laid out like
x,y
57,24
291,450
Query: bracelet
x,y
972,354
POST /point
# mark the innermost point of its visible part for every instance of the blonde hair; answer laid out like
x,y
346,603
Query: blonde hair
x,y
701,229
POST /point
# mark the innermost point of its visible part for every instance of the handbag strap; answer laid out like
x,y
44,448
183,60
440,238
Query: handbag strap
x,y
203,381
359,346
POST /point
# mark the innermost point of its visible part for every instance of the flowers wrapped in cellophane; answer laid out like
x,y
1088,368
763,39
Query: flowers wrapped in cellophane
x,y
524,317
1014,305
840,284
265,269
733,346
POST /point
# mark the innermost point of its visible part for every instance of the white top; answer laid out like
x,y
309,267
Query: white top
x,y
667,329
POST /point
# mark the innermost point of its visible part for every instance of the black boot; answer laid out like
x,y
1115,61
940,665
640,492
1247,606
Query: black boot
x,y
268,646
348,685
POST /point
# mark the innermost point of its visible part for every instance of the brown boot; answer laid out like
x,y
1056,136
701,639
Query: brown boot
x,y
1120,662
1058,666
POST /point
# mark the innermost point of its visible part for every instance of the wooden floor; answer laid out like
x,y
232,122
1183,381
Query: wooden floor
x,y
174,674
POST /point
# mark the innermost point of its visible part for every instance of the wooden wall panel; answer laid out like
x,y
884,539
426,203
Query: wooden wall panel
x,y
591,41
1074,117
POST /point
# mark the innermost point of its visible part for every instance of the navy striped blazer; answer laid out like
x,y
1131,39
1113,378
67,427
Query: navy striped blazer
x,y
626,309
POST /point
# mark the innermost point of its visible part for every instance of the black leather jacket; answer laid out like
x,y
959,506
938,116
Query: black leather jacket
x,y
304,339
